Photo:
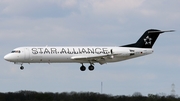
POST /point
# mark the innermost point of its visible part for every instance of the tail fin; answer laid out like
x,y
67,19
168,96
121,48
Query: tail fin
x,y
148,39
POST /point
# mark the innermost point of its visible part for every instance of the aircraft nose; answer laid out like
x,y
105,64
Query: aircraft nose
x,y
8,57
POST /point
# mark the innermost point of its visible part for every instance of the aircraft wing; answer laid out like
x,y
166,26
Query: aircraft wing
x,y
100,59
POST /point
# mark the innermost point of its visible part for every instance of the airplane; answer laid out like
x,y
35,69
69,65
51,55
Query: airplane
x,y
86,54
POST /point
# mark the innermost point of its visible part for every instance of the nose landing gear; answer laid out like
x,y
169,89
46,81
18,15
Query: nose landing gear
x,y
21,67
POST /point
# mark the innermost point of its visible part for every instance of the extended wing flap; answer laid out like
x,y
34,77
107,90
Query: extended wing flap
x,y
100,59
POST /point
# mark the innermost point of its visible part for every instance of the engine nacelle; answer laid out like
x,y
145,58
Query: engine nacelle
x,y
122,52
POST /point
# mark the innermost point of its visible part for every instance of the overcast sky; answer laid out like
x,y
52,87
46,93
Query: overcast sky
x,y
91,23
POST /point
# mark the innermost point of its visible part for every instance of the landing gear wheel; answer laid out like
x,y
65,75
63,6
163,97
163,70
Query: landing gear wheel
x,y
21,67
91,67
82,68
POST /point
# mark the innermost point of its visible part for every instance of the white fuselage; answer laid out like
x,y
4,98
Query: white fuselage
x,y
74,54
85,54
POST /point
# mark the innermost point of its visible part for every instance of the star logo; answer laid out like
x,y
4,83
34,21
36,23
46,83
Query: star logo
x,y
147,40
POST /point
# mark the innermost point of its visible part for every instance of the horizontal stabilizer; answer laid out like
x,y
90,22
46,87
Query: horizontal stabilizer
x,y
161,31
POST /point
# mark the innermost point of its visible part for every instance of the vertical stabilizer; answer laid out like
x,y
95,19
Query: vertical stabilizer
x,y
148,39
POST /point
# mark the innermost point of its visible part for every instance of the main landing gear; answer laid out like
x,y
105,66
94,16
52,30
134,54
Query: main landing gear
x,y
83,68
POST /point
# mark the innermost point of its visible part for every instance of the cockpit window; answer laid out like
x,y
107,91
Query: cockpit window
x,y
16,51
